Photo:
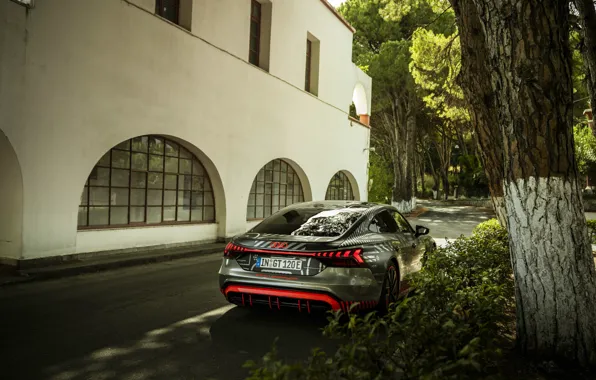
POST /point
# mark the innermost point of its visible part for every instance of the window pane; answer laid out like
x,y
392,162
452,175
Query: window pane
x,y
125,145
196,214
140,144
207,185
119,197
105,160
171,181
99,196
184,182
259,212
139,180
119,215
169,214
208,199
185,166
209,214
260,199
98,216
251,199
155,180
156,145
171,165
120,177
120,159
197,198
185,153
253,57
155,163
197,168
183,214
169,198
184,198
84,200
154,197
171,149
260,188
268,176
137,214
250,212
99,176
261,175
197,183
139,161
153,214
269,165
137,197
82,219
254,29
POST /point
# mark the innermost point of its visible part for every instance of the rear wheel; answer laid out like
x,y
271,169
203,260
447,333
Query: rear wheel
x,y
390,293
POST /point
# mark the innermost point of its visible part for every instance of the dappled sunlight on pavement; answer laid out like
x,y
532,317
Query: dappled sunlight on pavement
x,y
212,345
450,222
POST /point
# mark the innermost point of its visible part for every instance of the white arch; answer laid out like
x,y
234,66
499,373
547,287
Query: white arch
x,y
351,180
11,203
304,181
212,172
360,99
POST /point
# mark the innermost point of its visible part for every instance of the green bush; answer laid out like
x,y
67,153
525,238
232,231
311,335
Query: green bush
x,y
592,230
449,329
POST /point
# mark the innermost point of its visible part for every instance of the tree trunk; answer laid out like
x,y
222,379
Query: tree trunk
x,y
587,19
403,198
422,171
530,64
476,83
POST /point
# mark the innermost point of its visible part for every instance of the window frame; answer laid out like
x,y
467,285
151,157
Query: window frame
x,y
181,154
268,198
308,69
258,20
389,216
159,4
409,226
339,183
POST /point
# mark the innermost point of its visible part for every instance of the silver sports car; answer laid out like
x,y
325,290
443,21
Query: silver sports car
x,y
324,255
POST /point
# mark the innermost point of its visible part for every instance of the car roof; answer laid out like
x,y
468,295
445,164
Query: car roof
x,y
330,205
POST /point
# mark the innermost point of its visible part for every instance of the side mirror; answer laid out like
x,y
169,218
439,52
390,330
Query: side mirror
x,y
420,231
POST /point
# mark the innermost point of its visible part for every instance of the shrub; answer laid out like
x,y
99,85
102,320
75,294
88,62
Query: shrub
x,y
592,230
449,329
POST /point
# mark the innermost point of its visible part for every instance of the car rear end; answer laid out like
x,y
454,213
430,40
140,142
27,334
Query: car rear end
x,y
302,264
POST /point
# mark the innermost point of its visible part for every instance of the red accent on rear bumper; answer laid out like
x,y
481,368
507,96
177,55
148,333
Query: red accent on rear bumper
x,y
297,294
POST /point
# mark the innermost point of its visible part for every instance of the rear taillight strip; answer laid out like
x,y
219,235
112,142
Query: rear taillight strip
x,y
355,254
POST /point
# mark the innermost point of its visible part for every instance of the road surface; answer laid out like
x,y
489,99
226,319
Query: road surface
x,y
159,321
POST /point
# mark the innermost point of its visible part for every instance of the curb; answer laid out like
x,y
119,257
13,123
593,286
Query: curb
x,y
106,263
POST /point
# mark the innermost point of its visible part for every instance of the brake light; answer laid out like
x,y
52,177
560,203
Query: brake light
x,y
232,249
345,258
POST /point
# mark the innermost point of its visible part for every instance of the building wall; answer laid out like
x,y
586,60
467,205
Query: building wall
x,y
92,74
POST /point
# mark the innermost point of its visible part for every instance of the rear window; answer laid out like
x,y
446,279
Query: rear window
x,y
310,222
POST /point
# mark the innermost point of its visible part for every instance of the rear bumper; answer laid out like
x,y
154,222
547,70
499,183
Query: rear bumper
x,y
332,289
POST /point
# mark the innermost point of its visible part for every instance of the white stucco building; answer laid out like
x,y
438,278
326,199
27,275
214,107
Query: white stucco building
x,y
131,123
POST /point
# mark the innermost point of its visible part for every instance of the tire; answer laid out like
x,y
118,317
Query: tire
x,y
391,285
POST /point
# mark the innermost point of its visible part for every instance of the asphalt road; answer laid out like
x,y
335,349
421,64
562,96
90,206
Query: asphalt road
x,y
159,321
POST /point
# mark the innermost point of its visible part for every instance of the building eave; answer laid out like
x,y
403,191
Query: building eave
x,y
339,16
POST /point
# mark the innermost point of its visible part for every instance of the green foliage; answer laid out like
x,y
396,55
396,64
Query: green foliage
x,y
592,230
381,179
436,62
585,147
450,329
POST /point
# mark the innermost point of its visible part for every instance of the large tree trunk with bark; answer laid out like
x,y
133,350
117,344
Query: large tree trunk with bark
x,y
476,83
587,20
403,197
530,63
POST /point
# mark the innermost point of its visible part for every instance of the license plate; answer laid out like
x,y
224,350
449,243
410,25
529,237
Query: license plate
x,y
273,263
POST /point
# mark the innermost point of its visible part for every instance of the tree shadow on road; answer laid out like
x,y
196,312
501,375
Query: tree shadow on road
x,y
212,345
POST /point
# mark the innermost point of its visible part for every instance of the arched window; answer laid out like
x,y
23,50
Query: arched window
x,y
147,180
339,188
276,186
